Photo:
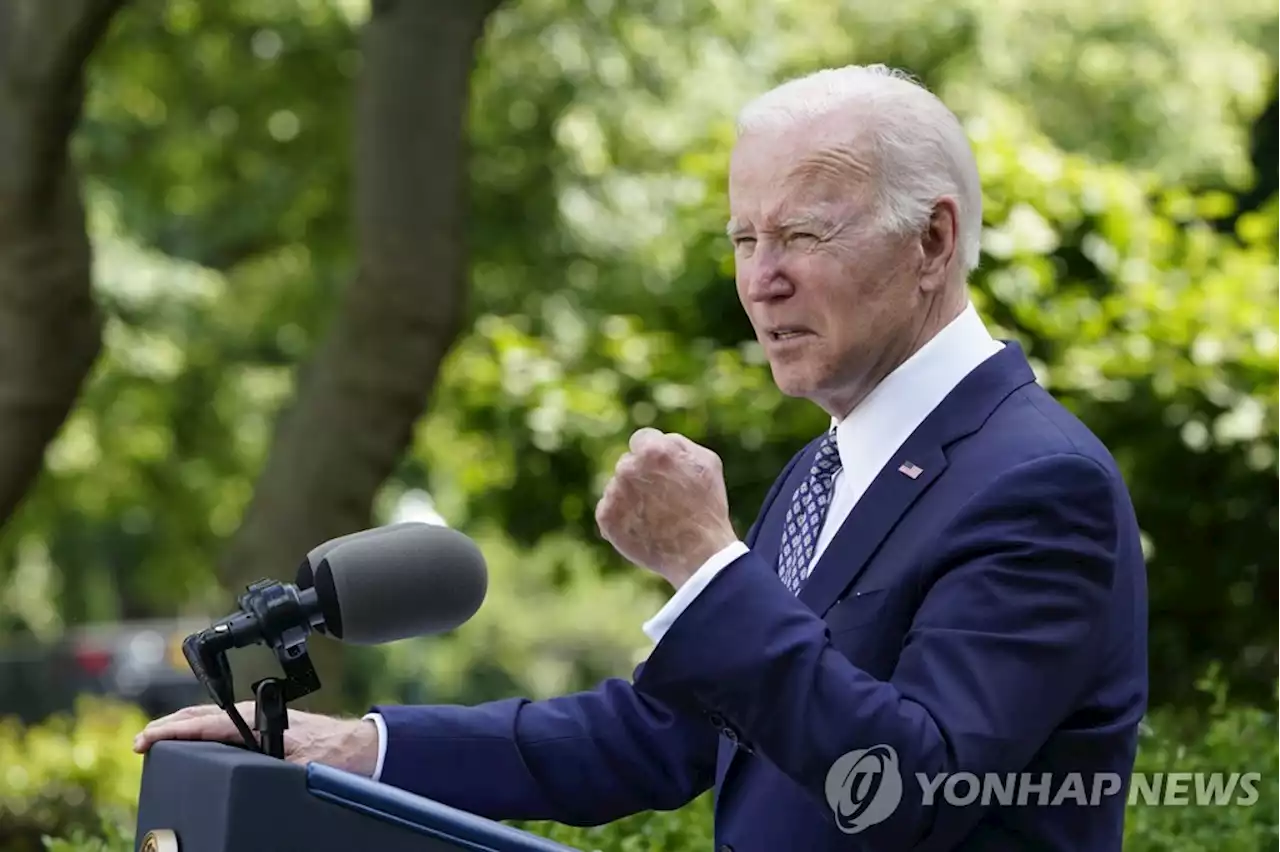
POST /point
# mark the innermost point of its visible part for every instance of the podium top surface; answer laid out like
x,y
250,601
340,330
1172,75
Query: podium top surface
x,y
381,801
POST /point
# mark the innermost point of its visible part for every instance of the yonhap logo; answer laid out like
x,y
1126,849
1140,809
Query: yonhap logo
x,y
864,787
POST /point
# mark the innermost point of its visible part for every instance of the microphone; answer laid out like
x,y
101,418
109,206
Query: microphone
x,y
365,588
408,579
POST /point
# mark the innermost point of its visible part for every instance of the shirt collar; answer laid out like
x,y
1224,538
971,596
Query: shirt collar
x,y
891,412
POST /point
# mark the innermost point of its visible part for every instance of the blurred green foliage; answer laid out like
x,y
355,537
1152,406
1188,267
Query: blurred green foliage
x,y
1129,160
1121,250
73,774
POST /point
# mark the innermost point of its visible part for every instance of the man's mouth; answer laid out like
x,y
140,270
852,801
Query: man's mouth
x,y
787,333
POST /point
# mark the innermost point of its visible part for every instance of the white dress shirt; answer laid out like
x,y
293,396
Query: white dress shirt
x,y
867,439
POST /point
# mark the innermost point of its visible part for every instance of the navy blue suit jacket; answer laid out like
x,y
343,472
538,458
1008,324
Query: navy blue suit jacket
x,y
988,616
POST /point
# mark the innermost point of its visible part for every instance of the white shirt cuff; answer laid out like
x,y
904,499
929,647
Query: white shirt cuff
x,y
381,723
657,626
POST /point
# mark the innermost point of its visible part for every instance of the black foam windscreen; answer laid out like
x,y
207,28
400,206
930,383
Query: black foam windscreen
x,y
326,593
396,582
305,578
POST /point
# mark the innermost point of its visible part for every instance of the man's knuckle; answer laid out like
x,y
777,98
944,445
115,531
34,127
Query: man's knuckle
x,y
658,452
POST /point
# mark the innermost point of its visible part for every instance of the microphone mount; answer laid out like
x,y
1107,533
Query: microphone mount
x,y
280,616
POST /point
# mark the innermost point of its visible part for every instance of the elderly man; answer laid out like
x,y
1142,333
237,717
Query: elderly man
x,y
932,637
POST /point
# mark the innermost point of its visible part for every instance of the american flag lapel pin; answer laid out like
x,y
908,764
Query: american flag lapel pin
x,y
910,470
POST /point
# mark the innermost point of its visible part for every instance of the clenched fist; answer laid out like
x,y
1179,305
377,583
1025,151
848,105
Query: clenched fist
x,y
666,508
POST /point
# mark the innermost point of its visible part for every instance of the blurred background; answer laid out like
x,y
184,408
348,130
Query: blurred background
x,y
276,270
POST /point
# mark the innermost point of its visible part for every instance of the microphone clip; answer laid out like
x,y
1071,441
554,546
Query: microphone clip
x,y
274,614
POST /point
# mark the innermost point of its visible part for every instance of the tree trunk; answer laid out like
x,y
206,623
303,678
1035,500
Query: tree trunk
x,y
368,382
50,327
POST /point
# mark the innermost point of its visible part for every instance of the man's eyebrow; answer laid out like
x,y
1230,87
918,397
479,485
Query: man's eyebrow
x,y
807,222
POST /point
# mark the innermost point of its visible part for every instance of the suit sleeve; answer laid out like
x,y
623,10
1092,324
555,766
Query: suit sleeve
x,y
1002,645
582,759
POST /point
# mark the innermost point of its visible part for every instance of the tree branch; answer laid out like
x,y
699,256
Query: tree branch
x,y
50,328
43,51
369,381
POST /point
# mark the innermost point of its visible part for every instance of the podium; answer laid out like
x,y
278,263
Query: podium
x,y
211,797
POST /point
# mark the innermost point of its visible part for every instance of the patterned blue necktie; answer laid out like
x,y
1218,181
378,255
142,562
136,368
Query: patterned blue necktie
x,y
803,524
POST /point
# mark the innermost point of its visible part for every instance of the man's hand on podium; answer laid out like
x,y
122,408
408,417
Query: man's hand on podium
x,y
350,744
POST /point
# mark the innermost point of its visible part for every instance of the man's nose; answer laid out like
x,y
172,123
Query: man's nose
x,y
767,282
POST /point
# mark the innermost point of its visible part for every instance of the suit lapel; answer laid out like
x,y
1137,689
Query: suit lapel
x,y
888,497
909,473
886,500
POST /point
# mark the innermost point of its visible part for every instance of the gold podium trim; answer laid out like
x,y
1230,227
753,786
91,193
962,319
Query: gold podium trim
x,y
160,840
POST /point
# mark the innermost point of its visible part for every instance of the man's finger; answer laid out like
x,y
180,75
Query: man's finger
x,y
192,712
642,436
208,728
182,721
686,444
198,711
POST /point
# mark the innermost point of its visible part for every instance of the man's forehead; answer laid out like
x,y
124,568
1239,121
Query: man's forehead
x,y
800,152
812,185
796,139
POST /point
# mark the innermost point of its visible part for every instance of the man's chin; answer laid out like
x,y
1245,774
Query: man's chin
x,y
791,382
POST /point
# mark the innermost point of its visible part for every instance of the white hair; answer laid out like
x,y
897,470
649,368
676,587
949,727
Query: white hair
x,y
920,148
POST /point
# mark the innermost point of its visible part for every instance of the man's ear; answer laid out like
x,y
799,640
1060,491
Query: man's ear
x,y
938,244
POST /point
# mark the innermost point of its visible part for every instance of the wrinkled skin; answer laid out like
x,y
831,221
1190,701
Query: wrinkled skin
x,y
349,744
811,256
666,508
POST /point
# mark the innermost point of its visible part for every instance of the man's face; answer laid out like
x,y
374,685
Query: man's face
x,y
831,296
